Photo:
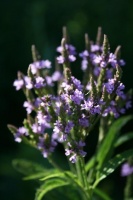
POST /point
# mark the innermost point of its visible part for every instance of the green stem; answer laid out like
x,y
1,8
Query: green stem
x,y
80,166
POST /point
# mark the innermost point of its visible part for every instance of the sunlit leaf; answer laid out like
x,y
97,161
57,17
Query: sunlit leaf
x,y
110,139
124,138
112,164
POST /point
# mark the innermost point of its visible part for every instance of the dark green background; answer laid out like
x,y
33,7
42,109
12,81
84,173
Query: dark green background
x,y
27,22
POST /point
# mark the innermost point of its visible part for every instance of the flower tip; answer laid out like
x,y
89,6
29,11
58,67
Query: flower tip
x,y
63,42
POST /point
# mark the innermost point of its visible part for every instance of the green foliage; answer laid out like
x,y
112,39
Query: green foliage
x,y
50,185
124,138
110,141
111,165
27,167
106,148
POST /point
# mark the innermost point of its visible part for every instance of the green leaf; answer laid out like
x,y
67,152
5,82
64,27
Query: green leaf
x,y
40,175
110,139
53,175
112,164
50,185
101,194
27,167
124,138
90,164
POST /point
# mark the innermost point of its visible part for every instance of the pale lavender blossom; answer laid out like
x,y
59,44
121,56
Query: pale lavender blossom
x,y
39,129
29,106
126,169
40,65
70,48
21,131
39,82
60,59
84,64
57,76
77,97
18,84
95,47
28,82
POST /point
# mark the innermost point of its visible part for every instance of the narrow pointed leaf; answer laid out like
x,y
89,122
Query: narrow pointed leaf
x,y
48,186
112,164
124,138
101,194
110,139
27,167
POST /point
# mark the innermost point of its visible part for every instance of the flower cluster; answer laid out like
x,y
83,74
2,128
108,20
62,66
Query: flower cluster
x,y
69,114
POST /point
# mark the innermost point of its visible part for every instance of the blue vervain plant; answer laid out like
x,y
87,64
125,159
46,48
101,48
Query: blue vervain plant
x,y
68,114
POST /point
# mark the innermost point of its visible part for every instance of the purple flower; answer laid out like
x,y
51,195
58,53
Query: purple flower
x,y
29,106
121,62
128,104
87,105
60,59
49,80
47,146
84,64
40,65
39,82
84,121
28,82
77,97
69,126
84,54
56,76
20,132
119,91
18,84
74,150
77,83
112,60
95,47
110,86
71,58
70,48
37,102
36,128
44,119
126,169
73,158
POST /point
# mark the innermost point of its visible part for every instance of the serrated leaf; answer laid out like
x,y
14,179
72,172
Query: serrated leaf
x,y
112,164
48,186
124,138
110,139
27,167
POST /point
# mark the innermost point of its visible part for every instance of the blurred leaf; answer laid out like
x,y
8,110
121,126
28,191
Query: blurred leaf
x,y
90,164
53,175
124,138
112,164
50,185
27,167
110,139
101,194
40,175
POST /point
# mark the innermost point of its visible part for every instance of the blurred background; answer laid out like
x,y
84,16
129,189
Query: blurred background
x,y
40,22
